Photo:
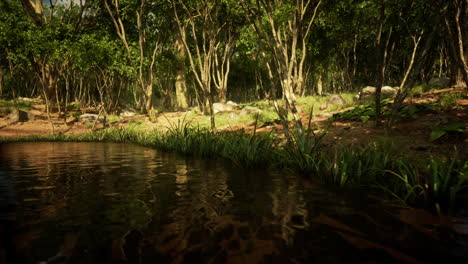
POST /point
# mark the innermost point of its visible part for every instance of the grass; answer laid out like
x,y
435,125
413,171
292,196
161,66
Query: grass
x,y
9,105
441,184
447,101
225,119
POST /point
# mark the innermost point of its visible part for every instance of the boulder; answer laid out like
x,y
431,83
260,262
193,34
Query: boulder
x,y
333,100
368,91
440,81
90,118
388,91
250,110
19,116
232,104
127,112
220,107
336,100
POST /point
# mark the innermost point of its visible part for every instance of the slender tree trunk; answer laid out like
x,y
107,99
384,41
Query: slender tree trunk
x,y
180,78
1,81
319,85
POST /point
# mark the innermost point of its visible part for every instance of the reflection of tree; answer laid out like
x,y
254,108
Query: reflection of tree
x,y
84,188
186,208
289,209
212,221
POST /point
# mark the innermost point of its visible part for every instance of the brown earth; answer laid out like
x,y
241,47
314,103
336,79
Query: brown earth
x,y
412,134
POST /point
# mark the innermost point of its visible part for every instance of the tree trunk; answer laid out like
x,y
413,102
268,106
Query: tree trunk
x,y
148,97
1,81
320,85
49,85
180,79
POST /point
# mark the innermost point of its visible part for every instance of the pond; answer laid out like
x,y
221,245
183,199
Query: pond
x,y
120,203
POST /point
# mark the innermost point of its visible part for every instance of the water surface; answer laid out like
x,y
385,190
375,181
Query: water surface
x,y
119,203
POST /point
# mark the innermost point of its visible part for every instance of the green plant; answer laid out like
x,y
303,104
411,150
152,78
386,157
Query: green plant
x,y
301,152
447,101
10,104
247,150
440,131
440,184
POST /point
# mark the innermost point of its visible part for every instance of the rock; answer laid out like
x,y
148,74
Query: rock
x,y
127,112
90,118
220,107
386,92
336,100
232,104
440,81
19,116
250,110
333,100
368,90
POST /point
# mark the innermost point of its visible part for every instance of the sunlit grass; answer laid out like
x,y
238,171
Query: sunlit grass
x,y
9,105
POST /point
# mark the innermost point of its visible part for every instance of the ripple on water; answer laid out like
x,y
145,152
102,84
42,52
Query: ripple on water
x,y
94,199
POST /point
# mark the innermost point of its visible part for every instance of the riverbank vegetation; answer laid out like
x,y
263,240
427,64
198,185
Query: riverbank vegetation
x,y
435,182
305,86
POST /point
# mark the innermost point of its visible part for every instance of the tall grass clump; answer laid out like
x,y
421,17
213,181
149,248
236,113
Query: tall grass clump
x,y
185,139
440,185
302,152
345,165
249,150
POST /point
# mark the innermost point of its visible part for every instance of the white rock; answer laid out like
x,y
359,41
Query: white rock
x,y
250,110
128,112
90,118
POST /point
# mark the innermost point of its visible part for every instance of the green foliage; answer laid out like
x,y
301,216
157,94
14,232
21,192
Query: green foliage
x,y
447,101
301,152
439,131
366,112
247,150
440,185
10,104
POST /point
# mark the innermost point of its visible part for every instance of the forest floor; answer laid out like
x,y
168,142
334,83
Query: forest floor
x,y
412,132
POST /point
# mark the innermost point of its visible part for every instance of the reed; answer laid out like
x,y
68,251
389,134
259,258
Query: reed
x,y
441,184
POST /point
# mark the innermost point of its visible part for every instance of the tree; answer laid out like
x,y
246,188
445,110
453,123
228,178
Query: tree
x,y
149,41
287,25
207,65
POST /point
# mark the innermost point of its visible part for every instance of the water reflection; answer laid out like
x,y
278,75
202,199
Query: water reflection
x,y
117,203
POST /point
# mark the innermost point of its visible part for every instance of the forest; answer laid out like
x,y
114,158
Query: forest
x,y
172,55
134,131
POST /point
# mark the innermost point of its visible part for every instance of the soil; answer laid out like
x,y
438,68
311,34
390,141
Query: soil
x,y
413,135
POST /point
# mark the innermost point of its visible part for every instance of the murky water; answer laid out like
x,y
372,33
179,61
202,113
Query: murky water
x,y
118,203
